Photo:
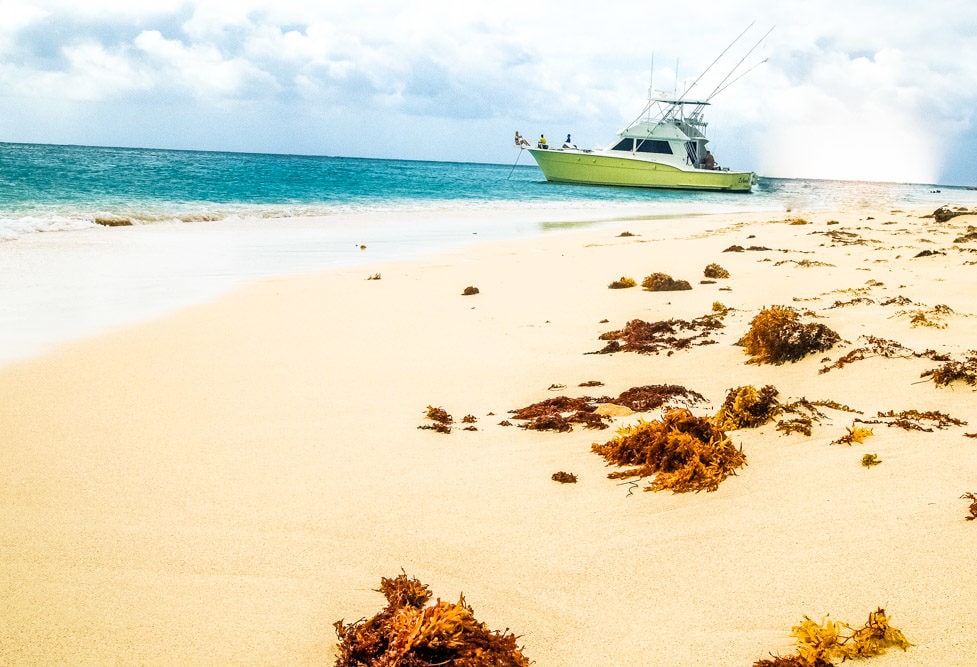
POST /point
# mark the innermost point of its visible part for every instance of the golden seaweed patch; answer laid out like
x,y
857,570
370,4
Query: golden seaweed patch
x,y
408,631
776,336
682,452
662,282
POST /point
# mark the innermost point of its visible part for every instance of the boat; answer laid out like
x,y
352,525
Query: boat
x,y
664,148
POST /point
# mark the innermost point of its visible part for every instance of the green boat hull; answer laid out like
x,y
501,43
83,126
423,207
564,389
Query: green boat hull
x,y
595,169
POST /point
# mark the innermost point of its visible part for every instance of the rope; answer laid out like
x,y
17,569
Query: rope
x,y
518,155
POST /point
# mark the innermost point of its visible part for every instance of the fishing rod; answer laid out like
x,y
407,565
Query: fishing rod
x,y
719,87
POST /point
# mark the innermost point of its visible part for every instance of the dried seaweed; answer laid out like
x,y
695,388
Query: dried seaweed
x,y
914,420
622,283
564,477
558,404
469,291
804,263
870,460
562,412
857,301
855,434
953,371
715,271
973,505
971,235
442,420
876,347
653,337
802,425
662,282
748,407
944,213
776,336
791,661
822,643
653,396
898,301
409,634
921,318
683,452
842,237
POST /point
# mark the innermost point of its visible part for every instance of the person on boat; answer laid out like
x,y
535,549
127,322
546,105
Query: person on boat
x,y
568,143
521,140
542,142
707,161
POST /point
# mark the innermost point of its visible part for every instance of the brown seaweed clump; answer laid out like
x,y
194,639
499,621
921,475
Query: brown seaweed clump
x,y
409,634
973,505
662,282
668,335
748,407
442,420
776,336
469,291
715,271
683,452
623,282
561,412
564,477
944,213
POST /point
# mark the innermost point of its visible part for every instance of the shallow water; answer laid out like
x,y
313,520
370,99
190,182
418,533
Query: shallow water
x,y
204,223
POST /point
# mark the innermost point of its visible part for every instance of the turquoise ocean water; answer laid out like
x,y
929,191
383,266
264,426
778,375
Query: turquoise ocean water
x,y
205,222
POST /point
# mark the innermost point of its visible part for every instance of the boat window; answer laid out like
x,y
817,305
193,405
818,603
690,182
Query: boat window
x,y
623,145
654,146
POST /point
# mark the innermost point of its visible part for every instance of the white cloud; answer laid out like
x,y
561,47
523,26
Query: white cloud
x,y
879,90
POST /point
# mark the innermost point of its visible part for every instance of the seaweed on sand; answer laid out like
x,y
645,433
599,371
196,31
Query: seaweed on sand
x,y
776,336
662,282
442,420
944,213
561,412
874,347
973,505
854,434
748,407
653,337
914,420
683,452
820,644
715,271
564,477
971,235
623,282
409,634
953,371
808,413
932,317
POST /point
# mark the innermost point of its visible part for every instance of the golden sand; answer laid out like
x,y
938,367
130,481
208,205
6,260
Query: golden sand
x,y
221,485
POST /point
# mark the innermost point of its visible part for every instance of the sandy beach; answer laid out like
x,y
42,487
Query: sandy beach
x,y
219,486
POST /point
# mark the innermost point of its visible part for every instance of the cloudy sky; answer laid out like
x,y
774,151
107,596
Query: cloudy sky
x,y
850,89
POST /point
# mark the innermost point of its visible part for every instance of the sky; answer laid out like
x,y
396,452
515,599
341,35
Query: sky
x,y
839,89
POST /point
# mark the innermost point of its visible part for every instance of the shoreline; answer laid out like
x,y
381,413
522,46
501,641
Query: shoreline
x,y
223,483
